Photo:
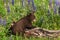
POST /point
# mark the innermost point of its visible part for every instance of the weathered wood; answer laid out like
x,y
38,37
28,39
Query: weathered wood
x,y
39,32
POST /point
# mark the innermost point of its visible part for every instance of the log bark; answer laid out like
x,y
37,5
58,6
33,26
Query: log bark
x,y
39,32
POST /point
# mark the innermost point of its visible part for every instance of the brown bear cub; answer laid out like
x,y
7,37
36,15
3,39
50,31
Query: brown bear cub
x,y
20,26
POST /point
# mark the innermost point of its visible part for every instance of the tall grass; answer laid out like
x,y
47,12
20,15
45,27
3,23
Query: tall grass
x,y
45,17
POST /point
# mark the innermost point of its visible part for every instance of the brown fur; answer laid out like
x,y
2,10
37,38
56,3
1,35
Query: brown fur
x,y
23,24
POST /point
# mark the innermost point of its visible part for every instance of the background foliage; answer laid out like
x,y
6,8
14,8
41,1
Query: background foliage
x,y
13,11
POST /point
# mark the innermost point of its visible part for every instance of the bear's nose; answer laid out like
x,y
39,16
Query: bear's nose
x,y
34,20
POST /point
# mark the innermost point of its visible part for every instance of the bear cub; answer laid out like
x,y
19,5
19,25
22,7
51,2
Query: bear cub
x,y
21,25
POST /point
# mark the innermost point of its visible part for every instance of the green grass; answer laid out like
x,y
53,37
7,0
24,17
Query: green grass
x,y
50,22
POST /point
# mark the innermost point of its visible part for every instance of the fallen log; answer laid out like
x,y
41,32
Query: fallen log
x,y
39,32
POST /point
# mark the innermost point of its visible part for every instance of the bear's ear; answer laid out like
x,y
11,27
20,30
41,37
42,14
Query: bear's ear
x,y
14,22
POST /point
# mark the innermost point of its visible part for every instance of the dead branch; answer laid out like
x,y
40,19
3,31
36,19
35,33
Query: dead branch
x,y
39,32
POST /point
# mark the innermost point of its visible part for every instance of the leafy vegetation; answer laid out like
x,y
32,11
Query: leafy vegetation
x,y
45,17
